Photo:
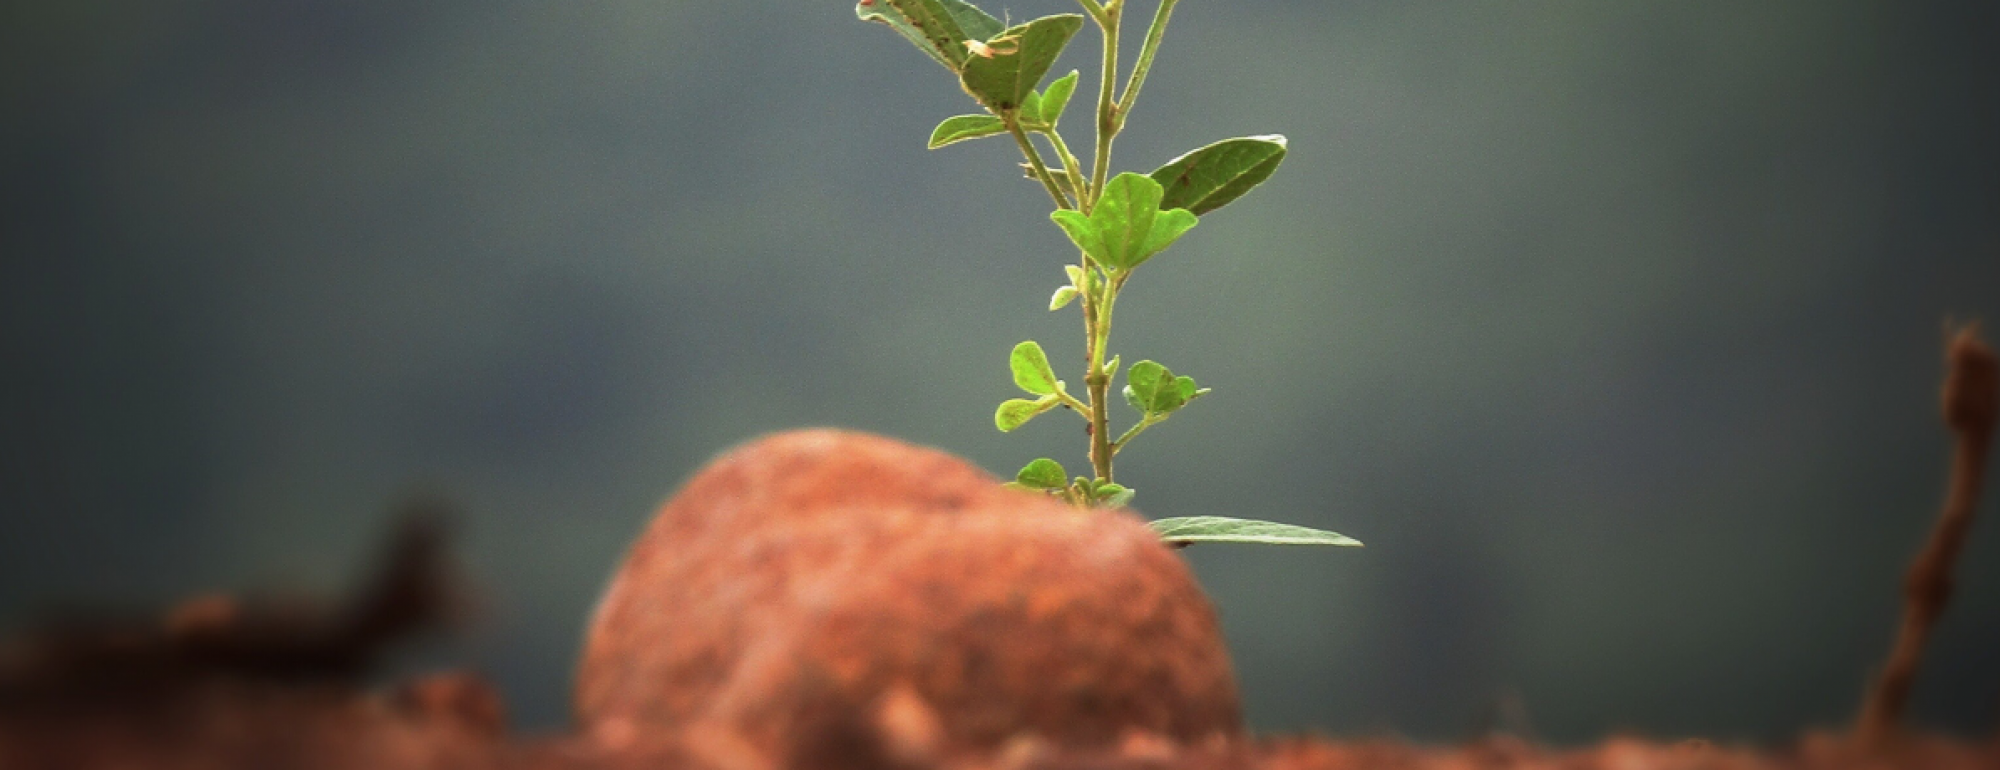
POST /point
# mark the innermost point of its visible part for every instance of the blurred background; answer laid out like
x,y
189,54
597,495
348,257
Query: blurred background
x,y
1612,328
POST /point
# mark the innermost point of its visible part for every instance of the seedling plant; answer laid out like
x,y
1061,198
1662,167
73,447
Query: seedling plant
x,y
1118,223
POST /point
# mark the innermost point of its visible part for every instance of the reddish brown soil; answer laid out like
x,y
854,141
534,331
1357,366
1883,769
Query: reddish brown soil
x,y
820,577
813,600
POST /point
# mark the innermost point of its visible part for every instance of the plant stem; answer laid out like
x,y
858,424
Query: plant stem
x,y
1145,64
1092,7
1076,179
1035,161
1107,110
1099,381
1100,443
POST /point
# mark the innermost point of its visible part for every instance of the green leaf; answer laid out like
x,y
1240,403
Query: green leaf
x,y
1063,296
1031,110
1015,60
1078,227
1187,388
1153,388
937,27
1222,529
1114,495
1127,227
1204,180
1031,369
959,128
1049,107
975,23
1015,412
1043,473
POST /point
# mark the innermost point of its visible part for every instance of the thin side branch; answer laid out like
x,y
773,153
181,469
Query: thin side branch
x,y
1040,169
1077,182
1971,389
1144,66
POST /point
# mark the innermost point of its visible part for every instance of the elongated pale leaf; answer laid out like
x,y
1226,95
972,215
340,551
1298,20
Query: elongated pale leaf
x,y
1127,227
1031,369
1015,60
1043,473
1204,180
1222,529
962,127
937,27
1063,296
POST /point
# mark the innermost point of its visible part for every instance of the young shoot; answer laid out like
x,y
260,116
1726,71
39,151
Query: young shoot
x,y
1118,223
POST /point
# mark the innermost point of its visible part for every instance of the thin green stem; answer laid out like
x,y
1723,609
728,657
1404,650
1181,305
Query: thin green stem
x,y
1145,64
1147,422
1082,409
1035,161
1107,109
1076,180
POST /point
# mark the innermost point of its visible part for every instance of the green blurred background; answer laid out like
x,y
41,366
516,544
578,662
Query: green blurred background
x,y
1611,327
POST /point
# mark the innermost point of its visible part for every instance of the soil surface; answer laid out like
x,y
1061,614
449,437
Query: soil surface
x,y
448,721
818,599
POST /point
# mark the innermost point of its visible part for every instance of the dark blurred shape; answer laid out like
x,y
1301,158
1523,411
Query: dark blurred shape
x,y
1971,388
99,661
216,681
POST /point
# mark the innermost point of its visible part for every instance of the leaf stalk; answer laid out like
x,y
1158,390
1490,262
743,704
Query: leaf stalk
x,y
1035,161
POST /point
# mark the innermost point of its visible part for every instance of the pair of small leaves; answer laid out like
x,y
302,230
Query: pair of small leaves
x,y
1154,390
1033,374
1046,475
1080,281
1039,111
1127,226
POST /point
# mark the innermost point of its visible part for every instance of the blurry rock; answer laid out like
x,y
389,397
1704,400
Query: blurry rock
x,y
805,576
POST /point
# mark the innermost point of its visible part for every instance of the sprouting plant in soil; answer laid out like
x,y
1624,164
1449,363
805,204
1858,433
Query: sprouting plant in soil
x,y
1118,224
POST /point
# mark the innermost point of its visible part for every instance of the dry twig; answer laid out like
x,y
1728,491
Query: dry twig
x,y
1969,404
